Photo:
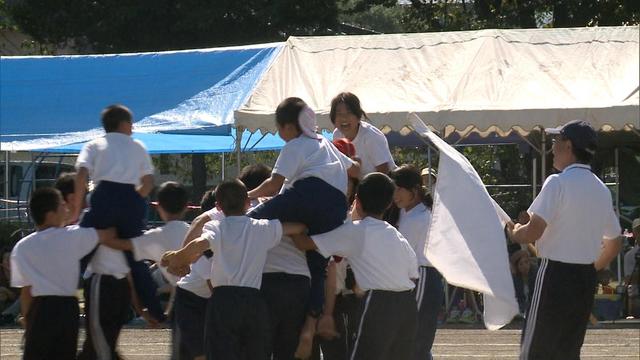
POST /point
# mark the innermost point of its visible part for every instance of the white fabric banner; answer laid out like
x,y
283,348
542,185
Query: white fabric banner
x,y
466,240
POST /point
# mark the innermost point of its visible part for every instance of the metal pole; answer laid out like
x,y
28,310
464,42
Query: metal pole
x,y
543,153
534,175
617,165
429,177
222,165
239,131
6,184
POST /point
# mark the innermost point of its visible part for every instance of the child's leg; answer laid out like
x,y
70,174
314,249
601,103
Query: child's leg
x,y
430,294
107,305
326,323
189,323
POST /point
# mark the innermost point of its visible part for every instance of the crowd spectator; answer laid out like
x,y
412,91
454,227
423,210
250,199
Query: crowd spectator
x,y
524,278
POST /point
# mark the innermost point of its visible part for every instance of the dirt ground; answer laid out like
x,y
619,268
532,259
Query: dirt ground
x,y
456,343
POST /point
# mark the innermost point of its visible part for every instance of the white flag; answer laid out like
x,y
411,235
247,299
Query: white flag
x,y
466,240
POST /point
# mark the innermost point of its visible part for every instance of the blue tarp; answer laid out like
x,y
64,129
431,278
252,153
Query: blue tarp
x,y
184,144
49,101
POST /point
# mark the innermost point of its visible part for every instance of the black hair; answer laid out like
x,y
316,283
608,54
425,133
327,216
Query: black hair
x,y
172,197
375,193
352,103
113,115
65,183
288,111
42,201
231,196
408,177
254,175
208,200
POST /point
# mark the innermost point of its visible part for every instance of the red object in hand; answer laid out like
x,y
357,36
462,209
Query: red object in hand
x,y
345,146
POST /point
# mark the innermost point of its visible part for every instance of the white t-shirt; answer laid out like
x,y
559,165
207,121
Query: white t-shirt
x,y
305,157
286,258
196,280
240,245
371,147
108,261
414,226
49,260
215,214
115,157
578,210
155,242
380,257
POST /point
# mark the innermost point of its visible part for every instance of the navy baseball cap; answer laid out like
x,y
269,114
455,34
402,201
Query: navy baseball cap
x,y
581,134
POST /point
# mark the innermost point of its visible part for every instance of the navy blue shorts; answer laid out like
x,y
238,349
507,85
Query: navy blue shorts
x,y
311,201
189,310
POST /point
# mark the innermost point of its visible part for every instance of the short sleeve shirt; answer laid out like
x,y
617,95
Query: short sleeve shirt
x,y
371,146
578,210
155,242
414,226
240,245
117,158
381,258
304,157
196,280
49,260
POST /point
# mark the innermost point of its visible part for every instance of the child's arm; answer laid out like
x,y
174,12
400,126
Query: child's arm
x,y
291,228
269,187
25,302
354,170
177,262
107,237
195,229
80,190
146,185
303,242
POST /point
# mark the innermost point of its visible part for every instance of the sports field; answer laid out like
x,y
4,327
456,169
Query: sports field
x,y
459,343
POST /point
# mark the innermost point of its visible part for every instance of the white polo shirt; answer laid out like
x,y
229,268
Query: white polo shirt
x,y
578,210
304,157
155,242
380,257
115,157
286,258
196,280
49,260
414,226
240,245
371,146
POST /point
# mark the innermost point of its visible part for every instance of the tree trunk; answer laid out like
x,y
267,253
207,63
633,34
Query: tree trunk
x,y
198,176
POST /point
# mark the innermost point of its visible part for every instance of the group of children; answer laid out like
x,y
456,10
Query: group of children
x,y
240,263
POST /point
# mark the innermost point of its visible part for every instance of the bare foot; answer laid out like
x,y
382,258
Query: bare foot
x,y
327,327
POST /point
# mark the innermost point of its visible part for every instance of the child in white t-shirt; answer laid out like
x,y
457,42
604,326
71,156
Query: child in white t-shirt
x,y
384,265
237,318
310,179
46,266
371,145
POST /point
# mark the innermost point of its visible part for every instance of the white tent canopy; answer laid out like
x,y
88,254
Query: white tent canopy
x,y
491,80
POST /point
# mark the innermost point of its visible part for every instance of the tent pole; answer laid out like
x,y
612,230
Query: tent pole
x,y
617,165
222,165
6,184
239,131
534,175
543,153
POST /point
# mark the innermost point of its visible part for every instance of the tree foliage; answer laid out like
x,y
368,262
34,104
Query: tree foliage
x,y
154,25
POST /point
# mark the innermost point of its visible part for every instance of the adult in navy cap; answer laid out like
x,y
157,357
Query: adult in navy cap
x,y
576,233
